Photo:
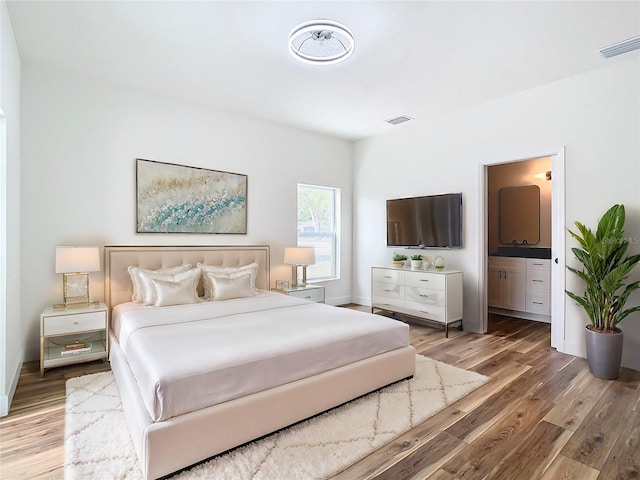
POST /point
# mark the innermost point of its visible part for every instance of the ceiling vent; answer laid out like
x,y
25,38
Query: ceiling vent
x,y
619,48
398,120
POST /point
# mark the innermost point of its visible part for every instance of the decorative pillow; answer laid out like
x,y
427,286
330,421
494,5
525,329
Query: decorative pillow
x,y
168,292
226,287
139,282
219,271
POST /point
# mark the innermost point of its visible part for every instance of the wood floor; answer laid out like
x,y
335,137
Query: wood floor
x,y
541,416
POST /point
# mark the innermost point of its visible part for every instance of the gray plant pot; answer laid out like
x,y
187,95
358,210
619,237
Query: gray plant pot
x,y
604,353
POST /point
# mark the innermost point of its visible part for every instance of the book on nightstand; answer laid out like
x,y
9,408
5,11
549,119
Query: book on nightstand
x,y
85,348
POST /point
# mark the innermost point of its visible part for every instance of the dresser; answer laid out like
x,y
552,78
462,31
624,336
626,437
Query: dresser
x,y
430,295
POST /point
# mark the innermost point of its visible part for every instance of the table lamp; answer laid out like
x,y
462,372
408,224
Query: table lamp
x,y
75,263
299,257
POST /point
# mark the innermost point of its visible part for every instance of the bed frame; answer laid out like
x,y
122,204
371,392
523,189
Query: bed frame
x,y
171,445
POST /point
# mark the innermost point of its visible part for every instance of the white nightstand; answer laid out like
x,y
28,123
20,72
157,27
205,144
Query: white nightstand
x,y
315,293
73,335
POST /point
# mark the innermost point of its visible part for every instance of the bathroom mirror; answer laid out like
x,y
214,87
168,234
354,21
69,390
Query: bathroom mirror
x,y
519,215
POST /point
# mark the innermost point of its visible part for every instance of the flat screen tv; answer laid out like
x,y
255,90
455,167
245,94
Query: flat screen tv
x,y
433,221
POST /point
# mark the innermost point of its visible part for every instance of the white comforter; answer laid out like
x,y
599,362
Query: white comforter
x,y
188,357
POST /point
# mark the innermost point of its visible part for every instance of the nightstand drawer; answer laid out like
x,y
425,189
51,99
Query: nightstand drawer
x,y
313,294
80,322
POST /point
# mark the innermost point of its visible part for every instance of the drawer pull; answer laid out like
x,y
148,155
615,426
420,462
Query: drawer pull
x,y
539,281
424,295
388,276
308,296
424,280
388,290
76,323
538,303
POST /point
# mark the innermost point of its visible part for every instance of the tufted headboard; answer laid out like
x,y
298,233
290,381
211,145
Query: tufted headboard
x,y
117,259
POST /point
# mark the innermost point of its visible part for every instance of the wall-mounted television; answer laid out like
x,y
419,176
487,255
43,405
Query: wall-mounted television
x,y
432,221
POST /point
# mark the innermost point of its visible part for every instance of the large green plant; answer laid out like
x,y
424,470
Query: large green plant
x,y
605,270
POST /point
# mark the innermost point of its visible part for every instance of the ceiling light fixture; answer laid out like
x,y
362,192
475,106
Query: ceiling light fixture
x,y
321,42
619,48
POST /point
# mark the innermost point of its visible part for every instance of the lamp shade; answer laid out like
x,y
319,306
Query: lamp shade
x,y
299,255
77,259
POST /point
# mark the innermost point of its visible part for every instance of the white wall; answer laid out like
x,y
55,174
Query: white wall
x,y
11,341
80,142
595,115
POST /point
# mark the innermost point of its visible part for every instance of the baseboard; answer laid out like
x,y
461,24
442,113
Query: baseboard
x,y
336,301
366,301
5,400
576,349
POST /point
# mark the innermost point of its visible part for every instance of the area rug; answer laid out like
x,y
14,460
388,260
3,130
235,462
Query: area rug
x,y
98,444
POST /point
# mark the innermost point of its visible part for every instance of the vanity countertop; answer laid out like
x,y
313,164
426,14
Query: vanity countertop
x,y
523,252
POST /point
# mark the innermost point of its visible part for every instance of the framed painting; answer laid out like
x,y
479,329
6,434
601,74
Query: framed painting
x,y
181,199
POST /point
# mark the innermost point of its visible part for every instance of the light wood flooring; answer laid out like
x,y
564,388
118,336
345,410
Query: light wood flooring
x,y
541,416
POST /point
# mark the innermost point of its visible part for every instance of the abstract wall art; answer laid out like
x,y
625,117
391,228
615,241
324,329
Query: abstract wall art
x,y
181,199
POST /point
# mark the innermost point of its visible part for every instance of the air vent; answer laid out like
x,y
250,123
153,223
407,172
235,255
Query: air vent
x,y
398,120
619,48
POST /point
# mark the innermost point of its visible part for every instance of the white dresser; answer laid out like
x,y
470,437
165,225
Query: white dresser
x,y
432,295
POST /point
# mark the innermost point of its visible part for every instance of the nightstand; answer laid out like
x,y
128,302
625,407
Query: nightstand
x,y
73,335
315,293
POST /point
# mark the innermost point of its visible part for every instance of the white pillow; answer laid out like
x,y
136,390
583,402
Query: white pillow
x,y
226,287
149,294
219,271
140,279
168,292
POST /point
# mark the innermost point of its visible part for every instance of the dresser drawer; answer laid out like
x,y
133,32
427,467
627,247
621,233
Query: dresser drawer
x,y
426,296
80,322
432,281
431,312
538,281
388,290
314,294
382,275
387,303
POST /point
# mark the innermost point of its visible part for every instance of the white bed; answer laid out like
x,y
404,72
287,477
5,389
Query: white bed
x,y
197,380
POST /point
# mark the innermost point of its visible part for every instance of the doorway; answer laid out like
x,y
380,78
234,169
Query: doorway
x,y
555,238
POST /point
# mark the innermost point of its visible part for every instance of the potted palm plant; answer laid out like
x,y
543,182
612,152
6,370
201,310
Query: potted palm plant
x,y
605,270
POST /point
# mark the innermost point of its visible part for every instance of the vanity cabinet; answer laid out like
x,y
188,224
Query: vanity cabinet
x,y
434,295
507,283
520,285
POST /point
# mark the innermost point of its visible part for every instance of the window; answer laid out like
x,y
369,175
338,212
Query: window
x,y
318,222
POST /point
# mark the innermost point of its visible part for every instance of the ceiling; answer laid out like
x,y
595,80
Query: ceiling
x,y
422,59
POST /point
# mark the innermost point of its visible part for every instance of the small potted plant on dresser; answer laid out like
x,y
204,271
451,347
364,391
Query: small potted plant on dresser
x,y
416,261
605,270
399,259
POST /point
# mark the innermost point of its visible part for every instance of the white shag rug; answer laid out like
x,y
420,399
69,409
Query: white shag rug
x,y
98,444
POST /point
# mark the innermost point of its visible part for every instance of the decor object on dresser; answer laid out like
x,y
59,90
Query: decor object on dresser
x,y
75,263
399,259
73,336
605,270
416,261
286,377
315,293
299,257
328,443
431,296
181,199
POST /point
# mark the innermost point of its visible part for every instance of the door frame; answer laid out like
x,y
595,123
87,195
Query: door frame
x,y
558,240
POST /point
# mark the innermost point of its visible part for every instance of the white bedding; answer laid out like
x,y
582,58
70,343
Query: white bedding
x,y
188,357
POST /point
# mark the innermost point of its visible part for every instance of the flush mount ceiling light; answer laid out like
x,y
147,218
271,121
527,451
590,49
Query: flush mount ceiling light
x,y
321,42
619,48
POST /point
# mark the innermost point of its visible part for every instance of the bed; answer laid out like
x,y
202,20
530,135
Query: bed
x,y
202,378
